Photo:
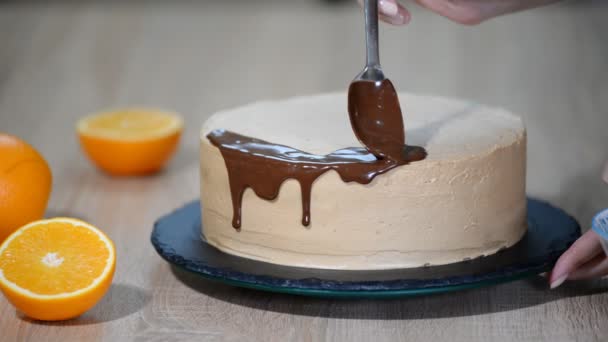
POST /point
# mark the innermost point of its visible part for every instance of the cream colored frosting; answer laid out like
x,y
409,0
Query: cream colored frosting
x,y
465,200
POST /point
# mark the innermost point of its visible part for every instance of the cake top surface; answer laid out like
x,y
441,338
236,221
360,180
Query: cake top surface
x,y
319,124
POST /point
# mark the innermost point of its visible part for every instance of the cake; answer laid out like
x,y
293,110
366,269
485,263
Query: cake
x,y
466,199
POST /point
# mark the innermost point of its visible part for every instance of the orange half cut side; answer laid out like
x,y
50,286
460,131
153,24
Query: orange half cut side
x,y
56,269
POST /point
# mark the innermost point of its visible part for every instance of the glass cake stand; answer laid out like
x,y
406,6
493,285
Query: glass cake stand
x,y
177,239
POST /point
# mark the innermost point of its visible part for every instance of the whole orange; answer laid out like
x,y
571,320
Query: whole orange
x,y
25,184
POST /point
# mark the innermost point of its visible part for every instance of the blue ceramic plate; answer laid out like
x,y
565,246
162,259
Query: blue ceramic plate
x,y
551,231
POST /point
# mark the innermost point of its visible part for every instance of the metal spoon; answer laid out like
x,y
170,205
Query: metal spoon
x,y
373,105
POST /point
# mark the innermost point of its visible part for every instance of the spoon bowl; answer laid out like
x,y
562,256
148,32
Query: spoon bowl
x,y
373,104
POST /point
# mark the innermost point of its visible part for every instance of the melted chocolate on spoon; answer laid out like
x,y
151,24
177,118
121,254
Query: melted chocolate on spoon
x,y
264,166
375,116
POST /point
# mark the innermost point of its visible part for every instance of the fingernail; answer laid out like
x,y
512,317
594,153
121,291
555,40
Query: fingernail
x,y
557,282
399,19
403,19
388,8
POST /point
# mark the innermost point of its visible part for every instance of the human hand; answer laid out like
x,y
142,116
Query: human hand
x,y
468,12
584,259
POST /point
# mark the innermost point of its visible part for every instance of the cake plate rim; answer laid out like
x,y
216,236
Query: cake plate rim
x,y
187,250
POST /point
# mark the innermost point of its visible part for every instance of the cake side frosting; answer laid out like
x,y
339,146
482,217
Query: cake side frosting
x,y
465,200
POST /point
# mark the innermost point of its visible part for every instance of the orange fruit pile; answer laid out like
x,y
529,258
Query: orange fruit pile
x,y
130,142
25,184
56,269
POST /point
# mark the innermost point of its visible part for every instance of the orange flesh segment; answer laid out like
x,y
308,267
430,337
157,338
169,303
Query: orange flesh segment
x,y
131,124
54,258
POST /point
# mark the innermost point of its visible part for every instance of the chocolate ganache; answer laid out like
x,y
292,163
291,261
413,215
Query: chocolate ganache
x,y
375,116
264,166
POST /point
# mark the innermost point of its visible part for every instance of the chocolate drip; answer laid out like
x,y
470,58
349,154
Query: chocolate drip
x,y
263,167
375,116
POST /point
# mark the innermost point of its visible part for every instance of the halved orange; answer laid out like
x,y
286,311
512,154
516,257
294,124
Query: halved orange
x,y
130,141
56,269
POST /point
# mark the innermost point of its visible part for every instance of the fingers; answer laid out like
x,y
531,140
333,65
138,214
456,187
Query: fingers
x,y
473,12
468,12
595,268
583,250
391,12
463,12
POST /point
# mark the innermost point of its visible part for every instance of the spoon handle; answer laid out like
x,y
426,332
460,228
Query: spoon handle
x,y
371,33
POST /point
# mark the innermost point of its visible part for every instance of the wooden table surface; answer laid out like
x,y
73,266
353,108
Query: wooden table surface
x,y
62,60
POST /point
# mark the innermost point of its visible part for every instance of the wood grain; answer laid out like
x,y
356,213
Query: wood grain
x,y
64,59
